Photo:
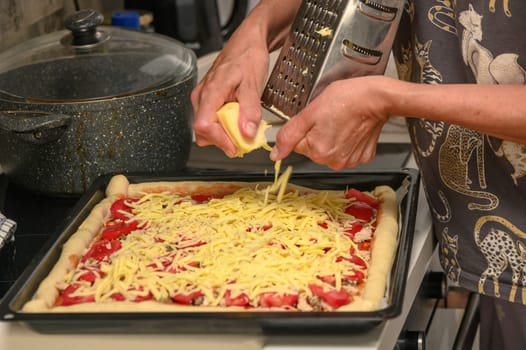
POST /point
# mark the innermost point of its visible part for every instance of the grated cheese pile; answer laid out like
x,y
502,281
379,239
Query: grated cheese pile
x,y
252,241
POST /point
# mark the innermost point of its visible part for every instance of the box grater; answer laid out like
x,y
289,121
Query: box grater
x,y
330,40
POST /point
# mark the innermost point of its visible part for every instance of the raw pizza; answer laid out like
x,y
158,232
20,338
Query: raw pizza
x,y
203,246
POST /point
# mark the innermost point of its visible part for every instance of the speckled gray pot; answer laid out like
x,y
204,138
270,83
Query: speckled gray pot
x,y
63,153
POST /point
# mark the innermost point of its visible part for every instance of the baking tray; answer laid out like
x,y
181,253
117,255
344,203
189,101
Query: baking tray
x,y
404,181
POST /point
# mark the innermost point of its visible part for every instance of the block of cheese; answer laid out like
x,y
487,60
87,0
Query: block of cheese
x,y
228,116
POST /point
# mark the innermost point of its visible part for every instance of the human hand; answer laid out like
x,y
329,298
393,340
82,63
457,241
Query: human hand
x,y
341,126
238,74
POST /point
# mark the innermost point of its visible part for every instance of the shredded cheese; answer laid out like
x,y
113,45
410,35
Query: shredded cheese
x,y
252,241
325,31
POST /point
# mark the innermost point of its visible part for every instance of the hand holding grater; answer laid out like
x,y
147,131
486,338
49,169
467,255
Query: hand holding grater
x,y
330,40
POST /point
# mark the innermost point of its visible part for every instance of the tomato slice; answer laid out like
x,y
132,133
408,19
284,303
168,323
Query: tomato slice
x,y
187,299
165,263
360,210
335,298
66,298
361,197
356,276
192,245
364,245
206,197
275,243
355,259
90,276
116,228
329,279
101,249
240,300
271,299
353,229
147,296
120,297
259,228
121,205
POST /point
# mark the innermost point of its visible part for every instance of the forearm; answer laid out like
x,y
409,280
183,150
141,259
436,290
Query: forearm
x,y
497,110
271,20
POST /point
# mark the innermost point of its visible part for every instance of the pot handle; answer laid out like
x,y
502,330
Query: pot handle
x,y
34,127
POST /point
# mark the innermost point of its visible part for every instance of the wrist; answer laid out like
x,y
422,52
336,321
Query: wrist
x,y
399,98
272,19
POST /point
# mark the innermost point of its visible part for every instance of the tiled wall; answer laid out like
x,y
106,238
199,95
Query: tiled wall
x,y
24,19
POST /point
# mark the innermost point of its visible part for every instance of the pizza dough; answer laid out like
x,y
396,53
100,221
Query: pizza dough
x,y
370,293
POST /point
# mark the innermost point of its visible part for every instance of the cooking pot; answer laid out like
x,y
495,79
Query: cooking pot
x,y
93,100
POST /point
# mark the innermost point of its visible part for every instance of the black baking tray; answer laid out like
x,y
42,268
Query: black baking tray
x,y
404,180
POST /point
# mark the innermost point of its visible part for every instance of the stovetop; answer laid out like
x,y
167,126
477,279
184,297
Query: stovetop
x,y
38,216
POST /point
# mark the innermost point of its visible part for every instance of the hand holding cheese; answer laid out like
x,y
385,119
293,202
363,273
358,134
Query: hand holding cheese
x,y
228,116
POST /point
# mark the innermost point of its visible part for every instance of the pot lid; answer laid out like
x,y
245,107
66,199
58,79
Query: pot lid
x,y
88,61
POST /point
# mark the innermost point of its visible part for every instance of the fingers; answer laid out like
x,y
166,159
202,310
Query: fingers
x,y
249,111
288,137
208,97
325,144
364,151
229,80
351,154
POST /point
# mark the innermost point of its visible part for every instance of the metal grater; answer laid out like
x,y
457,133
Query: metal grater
x,y
330,40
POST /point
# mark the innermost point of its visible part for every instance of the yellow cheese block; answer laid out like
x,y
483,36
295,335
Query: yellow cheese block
x,y
228,117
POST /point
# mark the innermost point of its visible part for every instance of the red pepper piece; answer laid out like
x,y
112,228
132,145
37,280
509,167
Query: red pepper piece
x,y
206,197
166,262
356,276
335,298
90,276
187,299
330,279
274,242
259,228
360,210
103,248
66,298
271,299
147,296
240,300
355,259
352,230
118,296
121,205
190,245
116,228
365,245
361,197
